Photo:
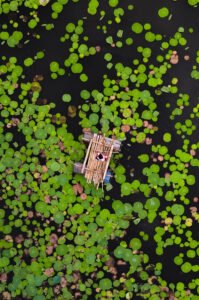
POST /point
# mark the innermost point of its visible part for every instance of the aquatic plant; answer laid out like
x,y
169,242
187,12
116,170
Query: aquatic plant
x,y
62,238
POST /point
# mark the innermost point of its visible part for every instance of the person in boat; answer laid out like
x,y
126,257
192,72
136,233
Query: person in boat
x,y
101,157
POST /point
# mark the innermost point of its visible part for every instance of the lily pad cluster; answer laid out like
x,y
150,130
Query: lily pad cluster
x,y
61,237
78,50
119,110
46,195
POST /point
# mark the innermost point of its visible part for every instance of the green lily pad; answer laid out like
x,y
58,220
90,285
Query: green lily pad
x,y
167,137
66,97
135,244
41,207
152,203
62,249
113,3
58,217
5,100
77,209
186,267
177,209
105,284
137,27
33,251
53,165
77,68
4,262
163,12
126,189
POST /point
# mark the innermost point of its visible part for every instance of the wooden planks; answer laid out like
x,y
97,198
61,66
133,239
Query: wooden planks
x,y
86,157
88,135
95,171
93,165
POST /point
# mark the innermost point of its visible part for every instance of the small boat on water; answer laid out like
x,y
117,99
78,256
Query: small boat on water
x,y
97,159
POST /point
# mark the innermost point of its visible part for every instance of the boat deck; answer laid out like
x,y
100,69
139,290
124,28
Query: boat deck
x,y
94,170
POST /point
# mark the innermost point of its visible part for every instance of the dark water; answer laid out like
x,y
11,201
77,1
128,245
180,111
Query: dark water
x,y
145,11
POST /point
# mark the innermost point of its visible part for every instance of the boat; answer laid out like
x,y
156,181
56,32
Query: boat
x,y
96,162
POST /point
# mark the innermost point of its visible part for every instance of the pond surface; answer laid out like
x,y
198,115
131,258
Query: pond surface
x,y
115,72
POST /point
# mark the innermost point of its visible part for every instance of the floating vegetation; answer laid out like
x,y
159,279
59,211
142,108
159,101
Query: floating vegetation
x,y
69,67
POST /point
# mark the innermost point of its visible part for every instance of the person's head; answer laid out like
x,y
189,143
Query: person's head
x,y
100,156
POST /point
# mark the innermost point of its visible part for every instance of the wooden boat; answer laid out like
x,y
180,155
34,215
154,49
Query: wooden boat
x,y
94,170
